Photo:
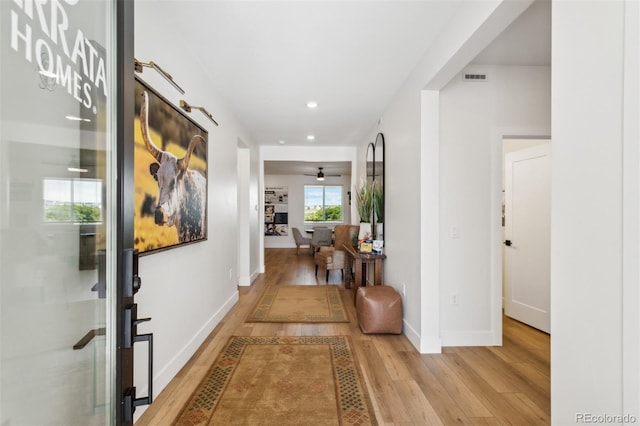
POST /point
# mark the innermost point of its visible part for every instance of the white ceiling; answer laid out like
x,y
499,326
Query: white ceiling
x,y
527,41
342,168
268,58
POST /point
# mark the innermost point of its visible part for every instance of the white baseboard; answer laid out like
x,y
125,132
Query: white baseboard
x,y
411,333
246,281
428,345
431,345
169,371
467,338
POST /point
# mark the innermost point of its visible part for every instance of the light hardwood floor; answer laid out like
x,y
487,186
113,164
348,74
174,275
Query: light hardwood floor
x,y
463,385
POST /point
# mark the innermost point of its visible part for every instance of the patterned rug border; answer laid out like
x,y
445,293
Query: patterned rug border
x,y
353,400
260,311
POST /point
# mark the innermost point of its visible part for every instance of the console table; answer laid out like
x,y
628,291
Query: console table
x,y
361,261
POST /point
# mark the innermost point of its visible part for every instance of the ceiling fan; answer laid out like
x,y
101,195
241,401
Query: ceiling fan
x,y
320,175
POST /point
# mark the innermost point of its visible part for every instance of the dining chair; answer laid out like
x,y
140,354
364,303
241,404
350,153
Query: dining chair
x,y
330,259
300,240
322,237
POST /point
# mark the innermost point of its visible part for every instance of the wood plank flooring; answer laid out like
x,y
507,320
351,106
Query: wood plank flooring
x,y
507,385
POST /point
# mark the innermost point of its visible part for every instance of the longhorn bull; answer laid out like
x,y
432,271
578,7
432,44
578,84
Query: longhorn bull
x,y
182,198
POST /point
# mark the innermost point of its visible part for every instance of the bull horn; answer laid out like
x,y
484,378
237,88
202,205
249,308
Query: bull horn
x,y
183,163
144,127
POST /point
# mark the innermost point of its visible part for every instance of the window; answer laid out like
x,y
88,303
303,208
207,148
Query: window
x,y
322,203
72,200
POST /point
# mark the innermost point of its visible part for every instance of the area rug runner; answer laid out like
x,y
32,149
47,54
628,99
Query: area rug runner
x,y
303,380
299,303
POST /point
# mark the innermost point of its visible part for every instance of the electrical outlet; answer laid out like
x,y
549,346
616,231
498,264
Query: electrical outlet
x,y
230,273
455,232
454,299
404,289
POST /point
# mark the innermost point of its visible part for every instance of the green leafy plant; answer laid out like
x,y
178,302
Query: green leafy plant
x,y
331,213
364,201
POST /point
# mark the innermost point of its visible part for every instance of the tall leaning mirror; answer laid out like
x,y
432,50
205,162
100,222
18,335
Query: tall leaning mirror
x,y
370,163
378,180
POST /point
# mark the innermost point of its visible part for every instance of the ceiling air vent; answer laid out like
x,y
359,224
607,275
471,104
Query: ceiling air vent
x,y
468,76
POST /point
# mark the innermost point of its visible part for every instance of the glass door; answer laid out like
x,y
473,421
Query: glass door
x,y
57,212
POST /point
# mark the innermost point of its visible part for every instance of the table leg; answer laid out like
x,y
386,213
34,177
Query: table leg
x,y
377,272
358,279
349,274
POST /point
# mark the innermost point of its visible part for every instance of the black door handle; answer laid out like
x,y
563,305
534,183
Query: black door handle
x,y
141,320
507,243
130,286
87,337
130,400
131,336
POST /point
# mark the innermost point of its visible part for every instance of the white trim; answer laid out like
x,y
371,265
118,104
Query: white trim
x,y
468,338
414,337
248,280
430,222
261,212
244,227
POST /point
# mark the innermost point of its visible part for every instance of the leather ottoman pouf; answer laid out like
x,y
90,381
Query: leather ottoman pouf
x,y
379,310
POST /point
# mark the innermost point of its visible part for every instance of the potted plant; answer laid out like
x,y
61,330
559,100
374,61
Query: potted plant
x,y
378,206
364,201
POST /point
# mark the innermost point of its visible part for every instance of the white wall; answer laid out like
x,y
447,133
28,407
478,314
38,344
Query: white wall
x,y
594,216
256,230
401,128
473,118
631,214
514,99
244,215
186,291
410,124
295,186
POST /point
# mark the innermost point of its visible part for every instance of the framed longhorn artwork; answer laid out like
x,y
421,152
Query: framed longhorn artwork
x,y
170,176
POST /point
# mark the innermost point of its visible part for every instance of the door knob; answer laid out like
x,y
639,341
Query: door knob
x,y
507,243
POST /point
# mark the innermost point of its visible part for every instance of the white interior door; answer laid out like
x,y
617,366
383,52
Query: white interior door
x,y
527,235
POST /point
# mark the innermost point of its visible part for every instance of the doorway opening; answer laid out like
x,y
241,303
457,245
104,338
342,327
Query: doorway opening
x,y
526,212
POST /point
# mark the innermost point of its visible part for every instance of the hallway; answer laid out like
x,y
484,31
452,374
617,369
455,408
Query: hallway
x,y
463,385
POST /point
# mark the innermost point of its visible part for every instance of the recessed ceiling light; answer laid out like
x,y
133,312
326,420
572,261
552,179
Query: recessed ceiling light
x,y
311,137
312,104
281,142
